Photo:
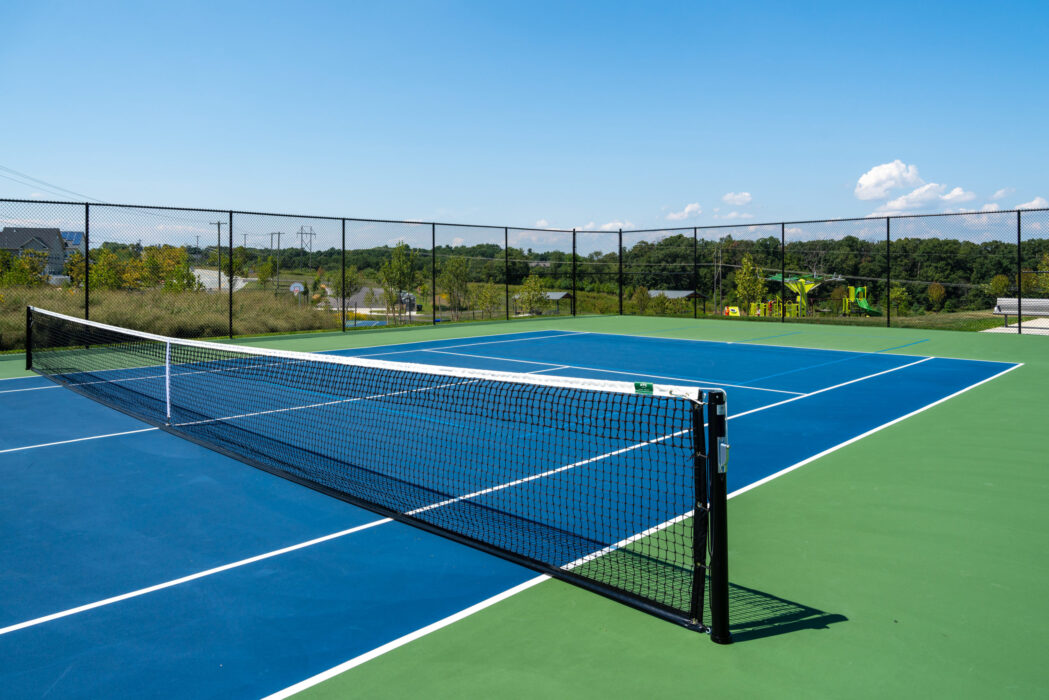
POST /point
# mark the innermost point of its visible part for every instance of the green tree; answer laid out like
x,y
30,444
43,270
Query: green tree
x,y
532,297
936,294
398,274
660,305
487,299
354,282
641,300
999,285
265,271
750,285
74,268
453,281
26,269
1043,278
900,298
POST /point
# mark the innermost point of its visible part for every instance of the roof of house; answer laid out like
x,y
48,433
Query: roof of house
x,y
552,296
73,238
675,293
16,238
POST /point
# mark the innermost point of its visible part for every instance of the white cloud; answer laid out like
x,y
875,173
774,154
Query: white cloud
x,y
457,241
690,210
1004,192
1036,203
615,225
542,223
735,215
958,195
737,199
879,180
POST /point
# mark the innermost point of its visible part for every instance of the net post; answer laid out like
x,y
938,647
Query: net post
x,y
700,516
28,338
717,458
167,380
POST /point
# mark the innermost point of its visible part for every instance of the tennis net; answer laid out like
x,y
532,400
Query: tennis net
x,y
617,487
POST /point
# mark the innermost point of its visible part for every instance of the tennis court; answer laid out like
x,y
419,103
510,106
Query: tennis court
x,y
138,563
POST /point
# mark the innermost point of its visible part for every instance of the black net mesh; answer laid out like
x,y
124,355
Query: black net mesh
x,y
590,483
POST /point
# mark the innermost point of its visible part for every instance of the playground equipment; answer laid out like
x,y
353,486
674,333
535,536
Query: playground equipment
x,y
855,302
802,286
773,309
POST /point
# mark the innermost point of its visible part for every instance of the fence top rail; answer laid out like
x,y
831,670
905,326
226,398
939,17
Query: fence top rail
x,y
835,221
244,212
707,227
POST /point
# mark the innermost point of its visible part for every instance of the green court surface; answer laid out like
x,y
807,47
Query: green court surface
x,y
910,563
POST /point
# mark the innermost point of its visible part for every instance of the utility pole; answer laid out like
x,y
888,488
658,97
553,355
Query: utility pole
x,y
278,234
304,233
218,249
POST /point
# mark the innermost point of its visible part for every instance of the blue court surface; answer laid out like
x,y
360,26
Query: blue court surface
x,y
134,563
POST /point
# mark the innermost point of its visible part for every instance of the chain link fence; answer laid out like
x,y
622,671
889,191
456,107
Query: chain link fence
x,y
199,273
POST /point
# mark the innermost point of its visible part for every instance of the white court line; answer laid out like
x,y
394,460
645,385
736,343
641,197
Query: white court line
x,y
28,376
450,340
422,632
615,371
186,579
66,442
468,345
32,388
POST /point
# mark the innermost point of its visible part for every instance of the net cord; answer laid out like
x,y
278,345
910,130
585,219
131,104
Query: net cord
x,y
693,394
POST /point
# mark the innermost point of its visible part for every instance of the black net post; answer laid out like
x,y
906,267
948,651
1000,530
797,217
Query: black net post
x,y
700,516
888,272
782,271
87,261
229,227
574,272
1019,278
28,338
342,299
717,458
620,272
506,269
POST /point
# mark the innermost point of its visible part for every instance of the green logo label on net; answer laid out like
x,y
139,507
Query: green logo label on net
x,y
643,387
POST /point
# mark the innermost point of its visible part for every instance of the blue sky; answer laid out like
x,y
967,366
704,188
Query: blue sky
x,y
562,114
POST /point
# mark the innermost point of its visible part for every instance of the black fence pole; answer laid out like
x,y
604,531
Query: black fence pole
x,y
717,458
230,285
433,271
87,261
888,272
342,300
573,273
506,270
1019,278
620,272
782,272
695,273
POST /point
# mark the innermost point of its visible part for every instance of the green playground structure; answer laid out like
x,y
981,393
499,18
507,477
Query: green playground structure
x,y
855,302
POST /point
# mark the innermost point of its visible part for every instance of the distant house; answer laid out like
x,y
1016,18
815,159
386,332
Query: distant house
x,y
47,240
74,241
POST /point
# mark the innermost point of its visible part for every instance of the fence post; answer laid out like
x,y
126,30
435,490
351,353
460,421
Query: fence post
x,y
342,301
888,273
620,272
782,271
573,273
230,285
87,261
506,269
1019,278
433,270
695,273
